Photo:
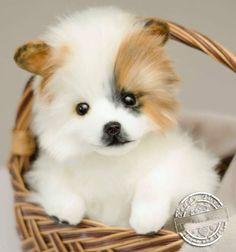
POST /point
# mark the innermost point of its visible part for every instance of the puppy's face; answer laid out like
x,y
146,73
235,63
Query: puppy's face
x,y
103,95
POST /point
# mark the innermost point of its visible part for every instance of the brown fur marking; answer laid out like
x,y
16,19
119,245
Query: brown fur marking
x,y
41,59
32,56
55,60
157,27
143,68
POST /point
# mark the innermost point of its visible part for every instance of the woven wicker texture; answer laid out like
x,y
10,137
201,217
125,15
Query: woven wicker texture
x,y
38,232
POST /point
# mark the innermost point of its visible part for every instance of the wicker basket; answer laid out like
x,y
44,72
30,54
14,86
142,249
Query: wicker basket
x,y
38,232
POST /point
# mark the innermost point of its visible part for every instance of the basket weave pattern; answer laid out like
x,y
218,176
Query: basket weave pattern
x,y
39,233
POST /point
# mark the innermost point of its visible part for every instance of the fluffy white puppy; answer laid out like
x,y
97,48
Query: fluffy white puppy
x,y
104,113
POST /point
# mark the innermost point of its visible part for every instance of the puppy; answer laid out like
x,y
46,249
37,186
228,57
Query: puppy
x,y
104,113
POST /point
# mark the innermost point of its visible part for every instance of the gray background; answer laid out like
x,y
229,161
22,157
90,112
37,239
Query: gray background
x,y
206,84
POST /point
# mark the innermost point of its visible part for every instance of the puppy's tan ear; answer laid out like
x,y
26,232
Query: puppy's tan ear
x,y
157,27
33,56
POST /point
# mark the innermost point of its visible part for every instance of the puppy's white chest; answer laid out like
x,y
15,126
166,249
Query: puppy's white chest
x,y
107,188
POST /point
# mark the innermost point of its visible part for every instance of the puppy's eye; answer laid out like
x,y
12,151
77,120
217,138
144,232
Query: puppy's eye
x,y
82,108
129,100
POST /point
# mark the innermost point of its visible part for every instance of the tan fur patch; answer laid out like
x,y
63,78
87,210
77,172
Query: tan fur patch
x,y
143,69
56,59
41,59
157,27
32,56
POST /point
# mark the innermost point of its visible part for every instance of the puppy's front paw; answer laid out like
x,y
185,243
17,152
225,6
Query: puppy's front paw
x,y
69,211
145,220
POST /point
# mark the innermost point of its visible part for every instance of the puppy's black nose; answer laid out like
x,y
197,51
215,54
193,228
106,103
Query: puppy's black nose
x,y
112,128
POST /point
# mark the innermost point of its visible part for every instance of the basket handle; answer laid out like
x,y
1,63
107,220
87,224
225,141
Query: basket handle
x,y
203,43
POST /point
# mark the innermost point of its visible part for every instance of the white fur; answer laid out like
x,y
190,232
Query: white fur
x,y
75,175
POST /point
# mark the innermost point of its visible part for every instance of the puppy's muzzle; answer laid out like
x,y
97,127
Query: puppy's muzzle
x,y
112,129
113,134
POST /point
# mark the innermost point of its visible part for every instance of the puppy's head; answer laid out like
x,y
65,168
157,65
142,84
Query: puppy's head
x,y
103,82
